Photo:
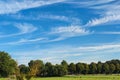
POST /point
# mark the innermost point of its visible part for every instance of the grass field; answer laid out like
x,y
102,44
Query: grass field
x,y
87,77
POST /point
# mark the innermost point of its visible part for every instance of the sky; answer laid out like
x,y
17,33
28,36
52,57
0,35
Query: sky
x,y
55,30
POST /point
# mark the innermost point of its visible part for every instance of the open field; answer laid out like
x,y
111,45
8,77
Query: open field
x,y
87,77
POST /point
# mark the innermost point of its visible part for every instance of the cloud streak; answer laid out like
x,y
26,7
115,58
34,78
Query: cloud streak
x,y
108,11
89,3
103,20
15,6
115,33
60,33
25,41
23,28
79,53
65,32
73,20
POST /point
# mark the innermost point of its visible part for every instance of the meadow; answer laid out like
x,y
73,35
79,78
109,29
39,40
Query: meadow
x,y
87,77
82,77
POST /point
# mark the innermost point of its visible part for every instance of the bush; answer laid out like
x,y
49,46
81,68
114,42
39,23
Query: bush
x,y
21,77
28,77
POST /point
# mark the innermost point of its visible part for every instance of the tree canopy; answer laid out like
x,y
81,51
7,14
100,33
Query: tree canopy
x,y
40,69
7,65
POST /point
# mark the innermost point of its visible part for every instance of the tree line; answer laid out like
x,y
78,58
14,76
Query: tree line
x,y
38,68
50,70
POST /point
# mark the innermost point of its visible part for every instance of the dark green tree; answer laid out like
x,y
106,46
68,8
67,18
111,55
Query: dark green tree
x,y
79,68
111,68
117,68
49,69
105,68
60,70
64,64
86,68
7,65
99,68
93,68
72,68
24,69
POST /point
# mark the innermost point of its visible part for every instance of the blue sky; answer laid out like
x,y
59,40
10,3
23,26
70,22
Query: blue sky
x,y
56,30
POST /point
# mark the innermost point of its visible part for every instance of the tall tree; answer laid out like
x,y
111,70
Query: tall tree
x,y
86,69
24,69
117,68
60,70
79,68
7,64
72,68
105,68
49,69
99,67
93,68
64,64
111,68
35,67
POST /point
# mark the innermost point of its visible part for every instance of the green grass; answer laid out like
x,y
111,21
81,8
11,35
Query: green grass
x,y
87,77
3,79
82,77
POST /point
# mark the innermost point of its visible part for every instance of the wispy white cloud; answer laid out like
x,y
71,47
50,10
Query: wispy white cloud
x,y
108,6
65,32
23,28
56,17
25,41
69,19
60,33
15,6
103,20
68,29
72,20
108,11
89,3
99,47
110,33
79,53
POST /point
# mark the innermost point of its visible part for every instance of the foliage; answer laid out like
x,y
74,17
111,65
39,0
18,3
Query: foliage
x,y
92,68
28,77
72,68
7,65
36,68
79,68
24,69
20,77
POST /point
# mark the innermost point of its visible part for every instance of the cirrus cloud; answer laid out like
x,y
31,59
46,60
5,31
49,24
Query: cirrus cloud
x,y
23,28
14,6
